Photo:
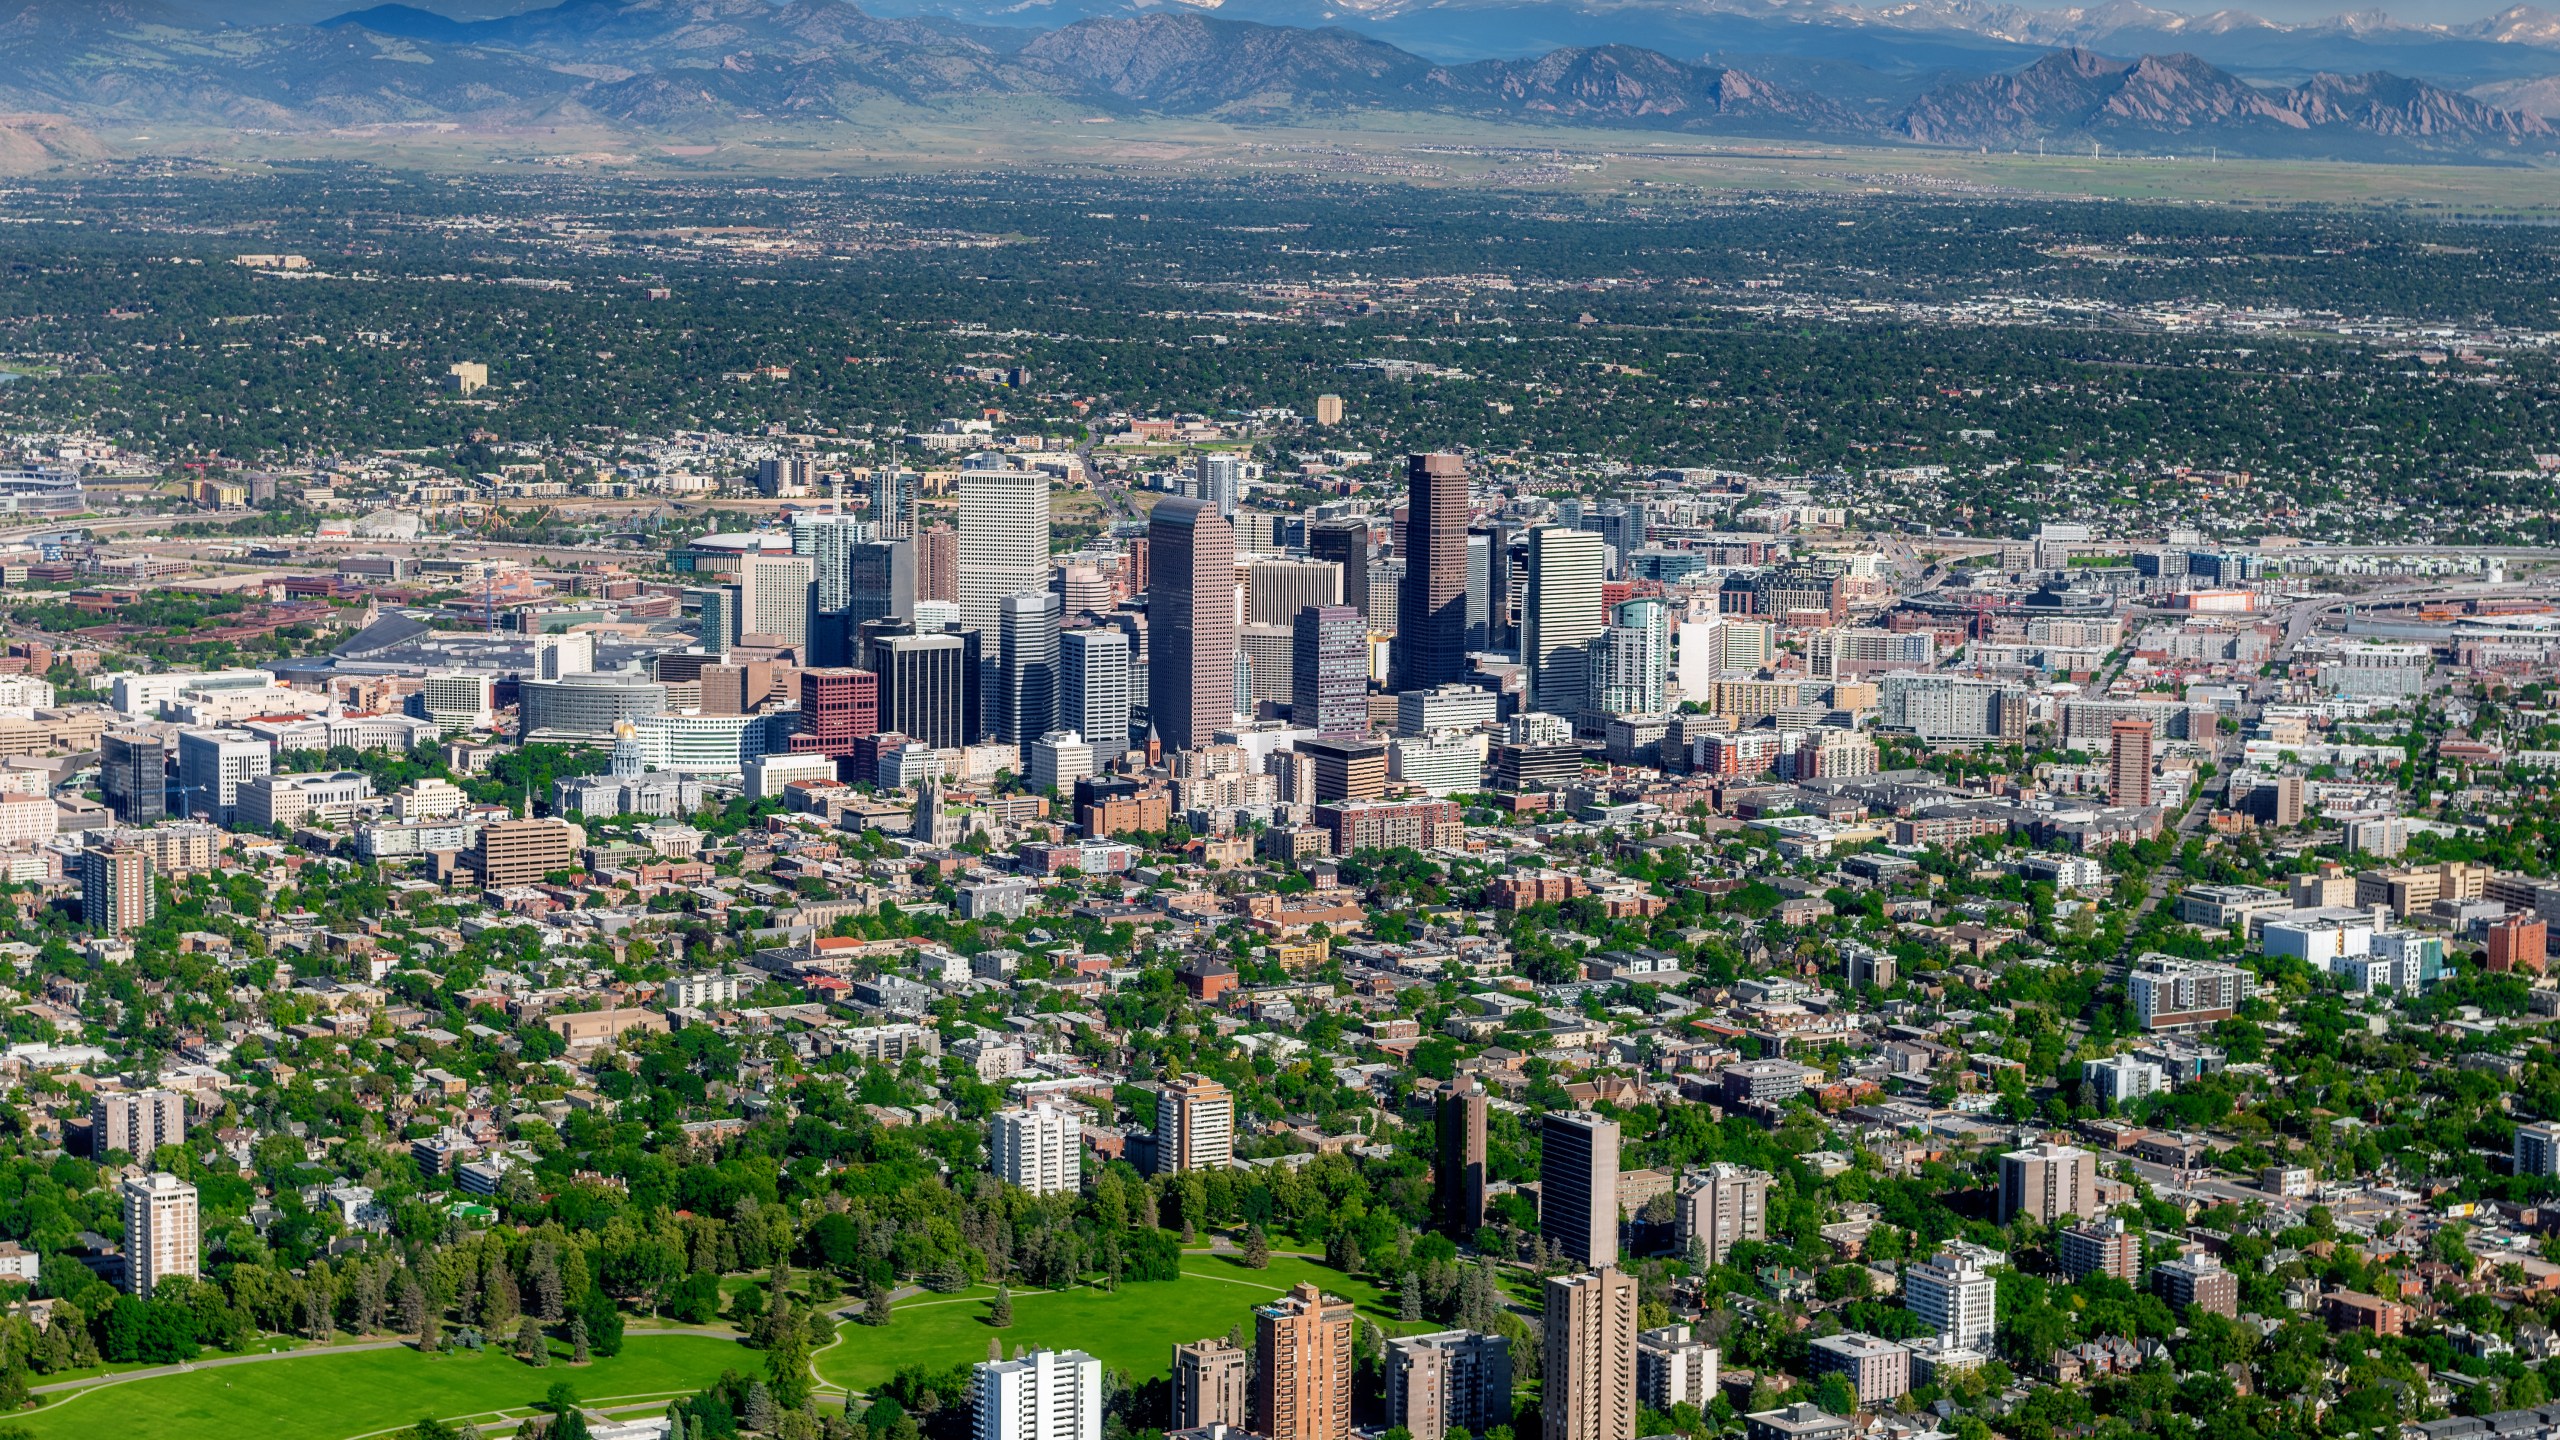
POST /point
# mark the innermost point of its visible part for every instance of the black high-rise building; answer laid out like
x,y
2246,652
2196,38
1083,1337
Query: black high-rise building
x,y
883,581
1431,613
1457,1176
133,776
928,683
1345,543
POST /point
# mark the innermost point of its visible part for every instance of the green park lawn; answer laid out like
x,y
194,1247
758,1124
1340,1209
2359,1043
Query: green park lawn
x,y
1133,1329
324,1396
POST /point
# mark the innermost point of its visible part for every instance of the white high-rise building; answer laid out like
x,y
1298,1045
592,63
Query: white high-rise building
x,y
893,503
214,764
773,596
1056,761
1631,660
459,700
1954,1295
1560,616
1221,479
1045,1395
1004,551
161,1231
827,542
1038,1147
1093,690
1674,1367
1699,655
568,652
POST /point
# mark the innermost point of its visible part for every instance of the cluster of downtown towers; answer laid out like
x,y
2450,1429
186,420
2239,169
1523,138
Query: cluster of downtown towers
x,y
1007,670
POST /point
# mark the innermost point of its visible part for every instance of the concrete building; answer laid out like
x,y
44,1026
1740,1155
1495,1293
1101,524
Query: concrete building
x,y
1878,1370
585,707
1044,1395
2099,1247
1093,688
1276,590
2537,1150
1304,1369
1195,1125
1803,1420
1056,761
2171,994
1446,707
1674,1367
284,801
1212,1385
1589,1356
563,652
2047,1182
2124,1079
701,992
1561,615
776,597
1954,1295
2197,1279
520,852
1003,551
1578,1185
1038,1147
1329,671
1448,1379
2129,763
115,889
1723,1206
1345,770
162,1231
137,1122
456,701
1443,764
213,765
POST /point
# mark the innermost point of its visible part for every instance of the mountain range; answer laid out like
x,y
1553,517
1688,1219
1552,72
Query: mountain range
x,y
685,65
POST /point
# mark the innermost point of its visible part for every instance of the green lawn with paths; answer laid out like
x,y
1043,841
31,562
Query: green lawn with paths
x,y
320,1395
324,1396
1132,1329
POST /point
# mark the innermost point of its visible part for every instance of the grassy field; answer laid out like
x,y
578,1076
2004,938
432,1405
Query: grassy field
x,y
1133,1330
1431,150
321,1396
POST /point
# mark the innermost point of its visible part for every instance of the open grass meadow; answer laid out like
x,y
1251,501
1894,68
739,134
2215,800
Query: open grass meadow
x,y
321,1395
1132,1329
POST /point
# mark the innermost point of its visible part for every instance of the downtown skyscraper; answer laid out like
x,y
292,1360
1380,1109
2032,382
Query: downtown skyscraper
x,y
1431,613
1004,551
1191,622
1026,668
1329,671
1560,617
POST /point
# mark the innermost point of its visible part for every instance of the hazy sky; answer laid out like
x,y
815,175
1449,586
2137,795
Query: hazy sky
x,y
268,12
